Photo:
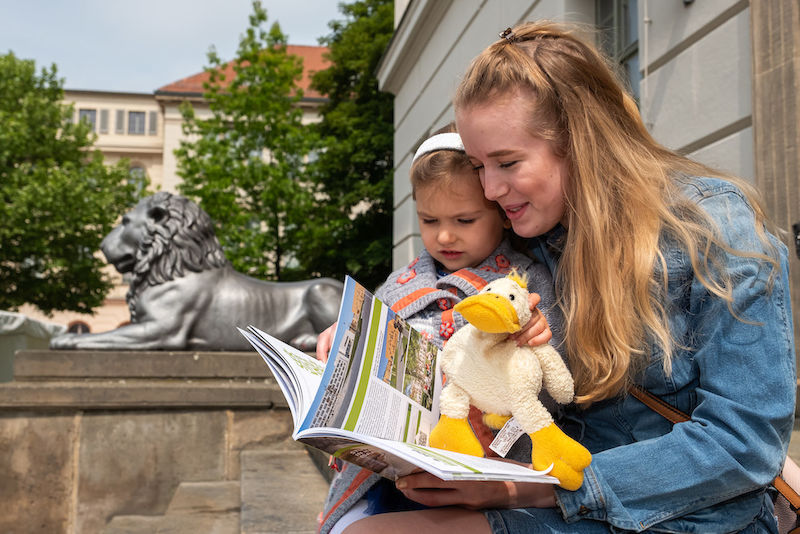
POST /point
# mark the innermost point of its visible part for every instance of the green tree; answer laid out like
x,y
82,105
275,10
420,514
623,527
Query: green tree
x,y
57,198
350,231
244,162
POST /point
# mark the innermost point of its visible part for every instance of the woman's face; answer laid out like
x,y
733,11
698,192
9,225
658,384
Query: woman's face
x,y
518,170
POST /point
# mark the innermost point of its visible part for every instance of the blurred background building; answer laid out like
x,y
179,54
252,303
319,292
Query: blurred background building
x,y
146,128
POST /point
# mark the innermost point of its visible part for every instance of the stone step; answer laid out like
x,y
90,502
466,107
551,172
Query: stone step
x,y
141,393
206,497
203,523
282,491
195,508
66,364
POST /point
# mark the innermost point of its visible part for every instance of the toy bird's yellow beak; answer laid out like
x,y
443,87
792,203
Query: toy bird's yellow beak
x,y
489,312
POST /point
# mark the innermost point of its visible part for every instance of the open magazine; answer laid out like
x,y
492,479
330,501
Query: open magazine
x,y
376,400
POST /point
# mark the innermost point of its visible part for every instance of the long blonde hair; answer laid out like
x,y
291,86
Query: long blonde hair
x,y
622,198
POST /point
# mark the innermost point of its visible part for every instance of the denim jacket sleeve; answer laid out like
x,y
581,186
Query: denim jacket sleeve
x,y
735,377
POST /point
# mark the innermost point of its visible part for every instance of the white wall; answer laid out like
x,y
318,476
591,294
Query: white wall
x,y
696,89
696,95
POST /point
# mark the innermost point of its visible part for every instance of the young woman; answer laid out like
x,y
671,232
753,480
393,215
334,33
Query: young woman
x,y
669,280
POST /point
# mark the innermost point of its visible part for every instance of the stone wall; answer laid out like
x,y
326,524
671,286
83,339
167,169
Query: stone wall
x,y
87,436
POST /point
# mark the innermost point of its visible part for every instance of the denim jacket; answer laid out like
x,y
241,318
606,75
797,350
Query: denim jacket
x,y
736,379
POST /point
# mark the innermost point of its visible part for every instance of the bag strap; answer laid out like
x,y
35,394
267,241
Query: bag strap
x,y
674,415
657,405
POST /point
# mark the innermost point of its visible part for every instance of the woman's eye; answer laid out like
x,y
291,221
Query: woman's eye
x,y
477,167
507,164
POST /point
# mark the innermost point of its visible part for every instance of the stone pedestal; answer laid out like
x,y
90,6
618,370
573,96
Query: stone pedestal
x,y
87,436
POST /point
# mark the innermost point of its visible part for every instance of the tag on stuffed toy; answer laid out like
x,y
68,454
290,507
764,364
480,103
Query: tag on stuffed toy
x,y
506,438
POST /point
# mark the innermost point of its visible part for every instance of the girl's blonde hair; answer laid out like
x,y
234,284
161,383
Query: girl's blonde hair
x,y
622,198
440,167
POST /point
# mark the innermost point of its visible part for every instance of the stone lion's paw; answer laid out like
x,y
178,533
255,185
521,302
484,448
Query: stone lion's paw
x,y
63,341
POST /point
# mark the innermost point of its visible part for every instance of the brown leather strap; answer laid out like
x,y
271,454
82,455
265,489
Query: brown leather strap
x,y
657,405
786,490
676,416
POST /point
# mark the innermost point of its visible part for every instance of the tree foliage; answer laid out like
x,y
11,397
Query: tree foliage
x,y
244,162
351,229
57,198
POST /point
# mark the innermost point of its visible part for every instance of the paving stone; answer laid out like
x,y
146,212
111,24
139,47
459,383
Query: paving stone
x,y
282,492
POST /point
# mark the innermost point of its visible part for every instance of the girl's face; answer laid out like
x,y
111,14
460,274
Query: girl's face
x,y
459,227
518,170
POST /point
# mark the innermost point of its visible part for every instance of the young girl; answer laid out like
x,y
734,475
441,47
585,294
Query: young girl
x,y
466,247
668,279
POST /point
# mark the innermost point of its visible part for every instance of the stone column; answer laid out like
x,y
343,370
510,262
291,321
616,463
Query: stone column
x,y
776,119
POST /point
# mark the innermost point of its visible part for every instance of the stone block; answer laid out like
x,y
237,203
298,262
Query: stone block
x,y
132,462
256,429
282,491
36,472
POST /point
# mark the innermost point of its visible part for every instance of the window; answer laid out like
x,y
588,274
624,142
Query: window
x,y
618,21
136,122
138,177
89,116
119,127
78,327
103,121
153,123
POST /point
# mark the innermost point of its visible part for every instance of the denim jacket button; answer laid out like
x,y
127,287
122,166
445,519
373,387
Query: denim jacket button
x,y
583,510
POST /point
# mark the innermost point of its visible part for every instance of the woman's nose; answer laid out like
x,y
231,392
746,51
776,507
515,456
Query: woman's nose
x,y
493,186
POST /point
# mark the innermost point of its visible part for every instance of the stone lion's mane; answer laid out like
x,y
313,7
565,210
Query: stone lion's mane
x,y
181,240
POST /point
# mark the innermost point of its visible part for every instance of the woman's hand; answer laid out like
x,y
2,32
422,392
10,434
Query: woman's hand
x,y
429,490
324,342
536,331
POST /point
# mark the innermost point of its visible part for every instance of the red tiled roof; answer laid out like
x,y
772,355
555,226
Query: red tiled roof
x,y
312,62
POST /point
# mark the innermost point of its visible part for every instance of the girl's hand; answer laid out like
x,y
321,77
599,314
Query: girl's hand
x,y
324,342
536,331
429,490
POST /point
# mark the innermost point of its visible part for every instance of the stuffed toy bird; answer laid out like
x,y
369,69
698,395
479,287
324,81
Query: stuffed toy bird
x,y
486,369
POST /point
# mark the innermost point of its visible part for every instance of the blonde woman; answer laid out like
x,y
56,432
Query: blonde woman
x,y
668,278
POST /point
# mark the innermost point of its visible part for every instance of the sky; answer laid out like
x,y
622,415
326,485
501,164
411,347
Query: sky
x,y
140,45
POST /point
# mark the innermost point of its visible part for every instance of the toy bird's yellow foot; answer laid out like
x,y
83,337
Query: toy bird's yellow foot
x,y
569,458
455,435
494,421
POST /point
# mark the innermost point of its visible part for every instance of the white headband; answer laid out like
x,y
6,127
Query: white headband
x,y
442,141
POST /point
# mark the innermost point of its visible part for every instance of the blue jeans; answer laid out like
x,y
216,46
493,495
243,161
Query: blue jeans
x,y
550,521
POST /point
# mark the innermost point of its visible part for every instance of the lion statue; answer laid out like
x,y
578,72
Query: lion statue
x,y
185,295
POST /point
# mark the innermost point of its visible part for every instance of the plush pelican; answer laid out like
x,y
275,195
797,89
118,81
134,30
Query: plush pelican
x,y
486,369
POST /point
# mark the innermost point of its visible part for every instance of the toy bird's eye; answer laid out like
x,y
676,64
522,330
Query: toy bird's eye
x,y
511,297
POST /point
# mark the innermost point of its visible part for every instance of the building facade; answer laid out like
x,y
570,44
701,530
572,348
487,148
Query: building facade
x,y
715,79
146,128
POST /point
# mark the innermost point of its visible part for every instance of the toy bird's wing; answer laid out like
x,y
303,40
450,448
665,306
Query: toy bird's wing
x,y
556,378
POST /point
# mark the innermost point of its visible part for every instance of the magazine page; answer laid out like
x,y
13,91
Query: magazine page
x,y
382,377
297,374
394,459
